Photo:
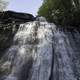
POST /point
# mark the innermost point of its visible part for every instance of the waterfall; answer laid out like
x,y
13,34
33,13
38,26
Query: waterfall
x,y
40,51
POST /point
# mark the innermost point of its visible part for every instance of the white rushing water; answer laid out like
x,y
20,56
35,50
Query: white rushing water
x,y
40,52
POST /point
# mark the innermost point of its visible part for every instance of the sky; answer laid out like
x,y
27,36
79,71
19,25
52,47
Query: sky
x,y
27,6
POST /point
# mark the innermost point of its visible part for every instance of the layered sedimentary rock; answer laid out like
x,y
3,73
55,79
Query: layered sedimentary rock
x,y
9,24
17,17
42,51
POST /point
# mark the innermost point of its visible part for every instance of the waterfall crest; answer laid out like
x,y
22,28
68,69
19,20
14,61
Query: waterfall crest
x,y
40,51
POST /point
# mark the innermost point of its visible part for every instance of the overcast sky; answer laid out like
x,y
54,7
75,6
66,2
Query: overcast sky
x,y
28,6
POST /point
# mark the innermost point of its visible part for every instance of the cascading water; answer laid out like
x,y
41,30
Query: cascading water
x,y
40,51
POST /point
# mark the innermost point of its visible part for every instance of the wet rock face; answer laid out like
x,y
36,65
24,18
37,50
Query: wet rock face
x,y
41,51
10,16
9,24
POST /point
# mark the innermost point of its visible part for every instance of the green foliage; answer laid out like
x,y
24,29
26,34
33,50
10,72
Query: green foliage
x,y
3,4
64,12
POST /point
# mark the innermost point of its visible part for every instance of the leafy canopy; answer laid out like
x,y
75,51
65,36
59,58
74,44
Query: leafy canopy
x,y
64,12
3,4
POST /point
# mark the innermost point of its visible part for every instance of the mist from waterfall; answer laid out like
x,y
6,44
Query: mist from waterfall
x,y
40,51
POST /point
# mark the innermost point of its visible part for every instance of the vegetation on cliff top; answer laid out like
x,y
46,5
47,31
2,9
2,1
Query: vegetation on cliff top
x,y
62,12
3,4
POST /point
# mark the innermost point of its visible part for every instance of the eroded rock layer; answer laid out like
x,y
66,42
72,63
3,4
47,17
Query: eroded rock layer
x,y
41,51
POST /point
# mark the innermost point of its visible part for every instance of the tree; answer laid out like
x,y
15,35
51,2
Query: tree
x,y
64,12
3,4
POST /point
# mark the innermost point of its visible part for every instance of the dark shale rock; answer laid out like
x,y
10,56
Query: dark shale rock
x,y
9,21
17,17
